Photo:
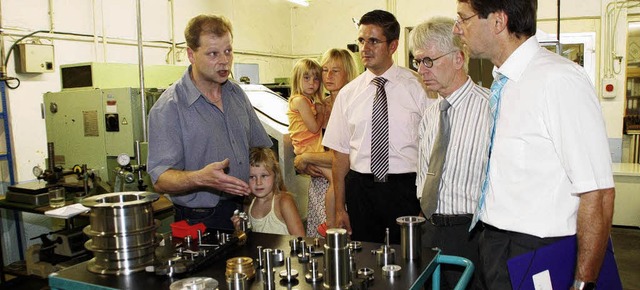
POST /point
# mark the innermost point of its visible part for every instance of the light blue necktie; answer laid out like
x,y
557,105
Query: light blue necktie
x,y
494,104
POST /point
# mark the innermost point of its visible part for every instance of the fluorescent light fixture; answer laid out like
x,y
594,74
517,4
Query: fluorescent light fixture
x,y
300,2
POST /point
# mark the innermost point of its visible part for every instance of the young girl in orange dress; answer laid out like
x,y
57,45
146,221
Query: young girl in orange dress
x,y
307,117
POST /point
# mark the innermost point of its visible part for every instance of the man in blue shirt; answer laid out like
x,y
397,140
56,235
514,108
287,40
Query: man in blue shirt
x,y
201,130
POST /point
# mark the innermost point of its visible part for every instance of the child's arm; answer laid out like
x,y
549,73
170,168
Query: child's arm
x,y
313,122
290,214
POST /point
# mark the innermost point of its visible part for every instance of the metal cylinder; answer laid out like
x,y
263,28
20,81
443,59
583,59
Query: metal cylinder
x,y
237,281
122,231
240,265
269,279
336,260
410,236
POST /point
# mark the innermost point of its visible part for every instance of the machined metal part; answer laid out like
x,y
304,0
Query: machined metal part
x,y
337,275
385,255
391,270
122,231
204,283
187,241
314,275
304,255
355,245
410,236
289,275
366,273
315,251
278,257
241,265
293,244
269,279
171,266
237,281
260,258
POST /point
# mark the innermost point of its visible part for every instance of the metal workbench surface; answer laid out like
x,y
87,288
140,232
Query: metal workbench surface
x,y
412,276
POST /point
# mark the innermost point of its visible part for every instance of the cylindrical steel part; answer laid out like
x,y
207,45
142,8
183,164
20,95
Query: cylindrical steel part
x,y
336,260
336,237
410,236
237,281
122,229
267,255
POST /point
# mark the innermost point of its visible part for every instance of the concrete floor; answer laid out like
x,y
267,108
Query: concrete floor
x,y
626,244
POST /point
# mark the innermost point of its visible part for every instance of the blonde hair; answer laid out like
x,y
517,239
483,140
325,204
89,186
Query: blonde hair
x,y
310,67
344,57
260,156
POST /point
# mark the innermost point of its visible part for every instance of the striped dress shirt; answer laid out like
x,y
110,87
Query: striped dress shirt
x,y
467,152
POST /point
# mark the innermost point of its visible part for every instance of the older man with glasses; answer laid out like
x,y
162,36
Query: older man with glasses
x,y
452,152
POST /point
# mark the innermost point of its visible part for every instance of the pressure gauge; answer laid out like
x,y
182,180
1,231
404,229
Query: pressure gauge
x,y
123,159
37,171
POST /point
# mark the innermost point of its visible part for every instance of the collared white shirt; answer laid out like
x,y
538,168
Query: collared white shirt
x,y
466,160
349,127
550,145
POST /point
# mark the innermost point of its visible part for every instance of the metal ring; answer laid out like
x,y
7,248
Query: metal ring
x,y
365,272
391,270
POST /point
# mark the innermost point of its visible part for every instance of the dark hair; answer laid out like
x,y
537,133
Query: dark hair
x,y
205,24
521,13
386,21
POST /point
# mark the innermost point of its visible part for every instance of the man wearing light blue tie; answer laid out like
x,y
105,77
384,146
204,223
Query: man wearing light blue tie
x,y
549,172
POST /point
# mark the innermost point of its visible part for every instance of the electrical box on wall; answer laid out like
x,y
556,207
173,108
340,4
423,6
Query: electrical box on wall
x,y
34,58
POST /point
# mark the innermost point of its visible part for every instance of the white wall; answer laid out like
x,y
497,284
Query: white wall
x,y
268,32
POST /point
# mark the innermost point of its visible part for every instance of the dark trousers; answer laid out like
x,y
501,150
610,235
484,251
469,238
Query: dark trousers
x,y
497,247
375,206
218,217
450,233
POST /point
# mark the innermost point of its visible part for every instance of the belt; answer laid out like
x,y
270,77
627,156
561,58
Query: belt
x,y
441,220
390,176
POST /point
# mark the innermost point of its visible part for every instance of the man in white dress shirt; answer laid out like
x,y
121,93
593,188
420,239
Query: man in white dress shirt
x,y
366,205
550,167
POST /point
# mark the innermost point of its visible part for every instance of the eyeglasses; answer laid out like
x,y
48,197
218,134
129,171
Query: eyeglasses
x,y
371,41
460,20
427,61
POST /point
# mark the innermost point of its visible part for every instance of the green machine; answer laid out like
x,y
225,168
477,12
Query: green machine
x,y
97,120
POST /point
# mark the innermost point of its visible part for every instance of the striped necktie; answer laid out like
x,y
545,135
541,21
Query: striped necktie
x,y
494,105
380,132
429,200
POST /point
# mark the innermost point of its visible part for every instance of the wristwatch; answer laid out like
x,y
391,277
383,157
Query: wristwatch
x,y
582,285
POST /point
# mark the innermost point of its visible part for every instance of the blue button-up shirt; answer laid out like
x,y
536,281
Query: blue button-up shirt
x,y
187,132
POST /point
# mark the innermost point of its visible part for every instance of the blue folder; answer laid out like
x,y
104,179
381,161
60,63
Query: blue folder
x,y
559,259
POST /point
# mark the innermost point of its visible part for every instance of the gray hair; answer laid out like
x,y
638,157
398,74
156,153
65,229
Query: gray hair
x,y
437,31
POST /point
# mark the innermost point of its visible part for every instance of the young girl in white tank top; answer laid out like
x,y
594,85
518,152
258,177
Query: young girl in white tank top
x,y
272,209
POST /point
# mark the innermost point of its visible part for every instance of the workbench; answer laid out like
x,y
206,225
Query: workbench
x,y
413,274
162,208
